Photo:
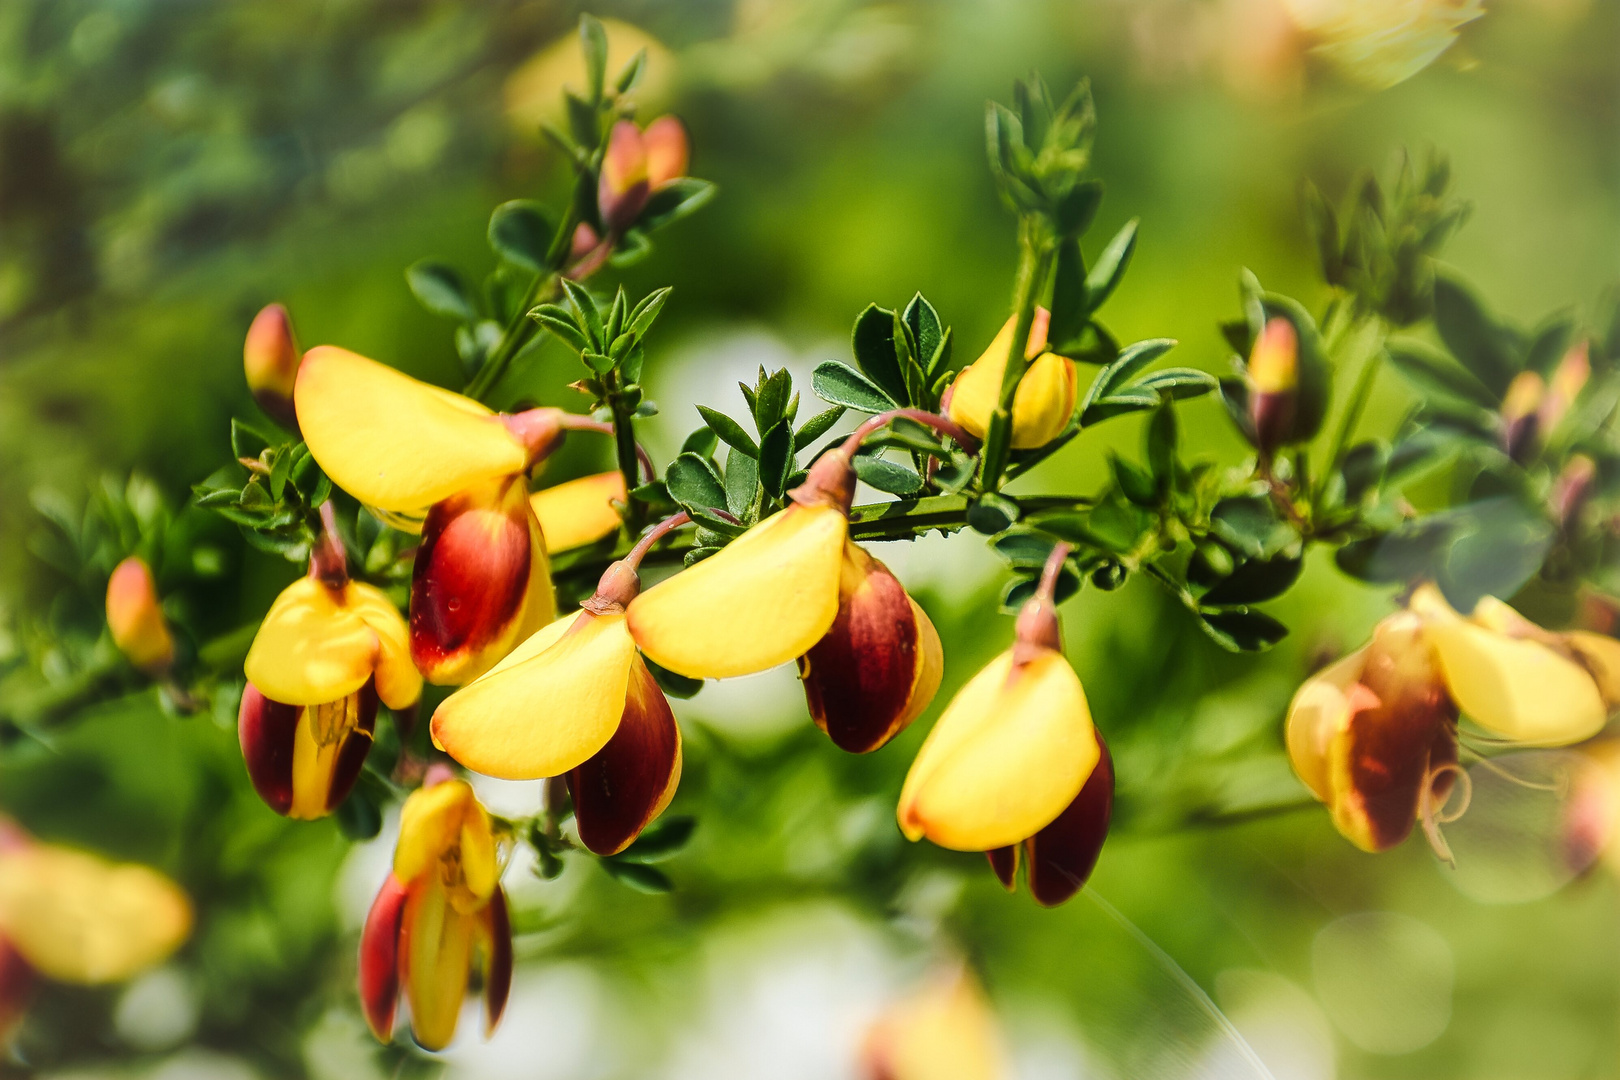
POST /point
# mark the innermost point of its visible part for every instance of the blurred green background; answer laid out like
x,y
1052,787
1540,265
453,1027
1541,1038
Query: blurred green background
x,y
166,168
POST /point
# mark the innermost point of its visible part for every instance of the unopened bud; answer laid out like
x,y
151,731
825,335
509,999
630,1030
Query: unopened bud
x,y
270,359
1521,420
1274,384
1569,378
1573,490
635,164
135,617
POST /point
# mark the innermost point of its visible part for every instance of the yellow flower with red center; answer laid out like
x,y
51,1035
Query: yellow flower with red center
x,y
1374,736
135,617
1015,767
576,700
417,453
440,915
1044,401
328,649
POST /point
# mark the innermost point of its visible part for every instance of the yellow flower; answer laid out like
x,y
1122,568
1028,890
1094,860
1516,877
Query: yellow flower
x,y
135,617
945,1030
270,361
1382,42
440,914
415,452
77,918
1044,401
321,659
579,512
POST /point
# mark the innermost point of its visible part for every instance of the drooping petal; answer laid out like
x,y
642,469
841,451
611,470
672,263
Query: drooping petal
x,y
1062,855
393,442
495,927
555,704
579,512
399,684
266,730
78,918
1518,687
624,786
861,679
1318,713
762,601
312,647
380,960
478,858
1004,760
481,577
429,825
666,144
1004,863
437,943
135,616
1043,402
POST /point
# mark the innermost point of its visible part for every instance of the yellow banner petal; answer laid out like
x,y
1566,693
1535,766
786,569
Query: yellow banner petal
x,y
762,601
399,684
579,512
430,825
311,648
393,442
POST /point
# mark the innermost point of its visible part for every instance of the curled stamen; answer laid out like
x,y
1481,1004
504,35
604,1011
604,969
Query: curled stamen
x,y
1434,816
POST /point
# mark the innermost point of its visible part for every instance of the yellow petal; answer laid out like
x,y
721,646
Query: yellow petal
x,y
1004,760
480,859
312,647
946,1031
135,616
438,943
1318,714
762,601
546,709
429,825
1043,402
80,919
398,682
1513,686
578,512
393,442
1600,655
930,665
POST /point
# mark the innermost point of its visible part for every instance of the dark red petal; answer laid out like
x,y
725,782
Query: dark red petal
x,y
1004,861
498,975
858,677
627,783
1062,855
265,729
379,959
471,575
16,989
1393,747
355,747
1272,415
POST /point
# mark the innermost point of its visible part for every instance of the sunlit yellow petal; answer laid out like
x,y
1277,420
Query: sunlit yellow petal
x,y
438,951
762,601
393,442
1004,759
311,648
398,682
579,512
1319,712
547,712
429,825
480,861
1043,402
80,919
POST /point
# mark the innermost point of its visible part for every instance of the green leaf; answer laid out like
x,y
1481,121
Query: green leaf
x,y
1132,359
1177,383
889,476
1070,308
730,432
1019,590
1076,210
693,481
593,40
597,362
1242,631
247,441
1403,554
631,73
701,442
590,317
872,341
1432,373
1256,580
442,290
1474,337
841,384
358,817
613,326
641,319
1163,438
663,839
647,879
742,483
1023,550
1246,523
676,686
675,200
771,404
520,232
1550,341
561,323
926,332
1110,267
1126,401
1135,483
991,513
911,369
1324,228
1095,345
817,426
776,462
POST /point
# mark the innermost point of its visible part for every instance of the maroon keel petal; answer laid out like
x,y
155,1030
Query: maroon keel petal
x,y
1062,855
498,973
355,746
265,729
379,959
627,783
1004,861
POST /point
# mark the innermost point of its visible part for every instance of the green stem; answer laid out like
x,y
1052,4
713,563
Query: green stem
x,y
624,445
543,289
1357,404
1035,254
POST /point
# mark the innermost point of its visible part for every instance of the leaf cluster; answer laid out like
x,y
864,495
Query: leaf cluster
x,y
272,494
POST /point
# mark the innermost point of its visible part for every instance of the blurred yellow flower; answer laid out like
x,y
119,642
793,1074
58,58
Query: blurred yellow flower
x,y
1382,42
944,1030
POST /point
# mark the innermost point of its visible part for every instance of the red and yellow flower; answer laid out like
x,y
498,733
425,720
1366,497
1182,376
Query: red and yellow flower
x,y
135,617
440,915
1044,401
426,458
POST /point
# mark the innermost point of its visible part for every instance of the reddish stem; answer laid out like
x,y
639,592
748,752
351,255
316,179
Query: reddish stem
x,y
1038,629
328,562
575,422
620,582
939,423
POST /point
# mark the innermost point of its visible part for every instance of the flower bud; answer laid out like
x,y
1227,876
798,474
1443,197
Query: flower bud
x,y
878,666
1521,416
635,164
1274,384
135,617
440,914
270,360
481,581
579,512
1573,491
1044,401
1568,380
1374,735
